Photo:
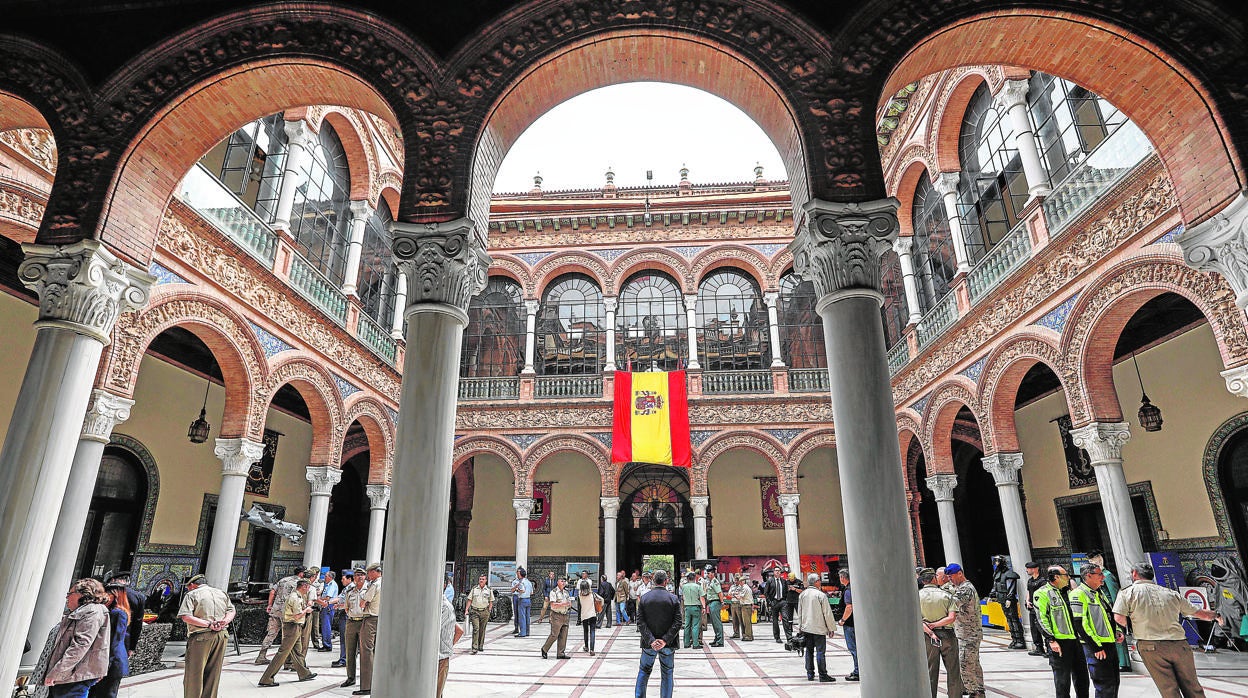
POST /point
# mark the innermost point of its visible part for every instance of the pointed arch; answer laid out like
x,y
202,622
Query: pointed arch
x,y
947,400
760,442
574,443
315,385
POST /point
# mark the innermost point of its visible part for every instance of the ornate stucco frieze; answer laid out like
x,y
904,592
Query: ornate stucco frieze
x,y
444,262
839,245
83,287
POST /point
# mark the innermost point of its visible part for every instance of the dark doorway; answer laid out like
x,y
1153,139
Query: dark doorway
x,y
112,532
263,542
981,527
1088,530
346,533
1233,476
655,517
929,518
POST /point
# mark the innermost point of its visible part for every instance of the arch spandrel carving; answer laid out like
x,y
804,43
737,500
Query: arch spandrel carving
x,y
756,441
590,448
1004,369
324,404
470,446
512,268
380,433
738,257
651,258
559,264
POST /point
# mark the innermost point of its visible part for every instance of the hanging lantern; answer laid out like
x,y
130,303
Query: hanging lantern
x,y
199,429
1150,414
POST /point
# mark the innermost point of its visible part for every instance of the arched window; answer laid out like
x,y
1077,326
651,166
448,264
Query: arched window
x,y
993,188
1070,122
935,262
571,328
894,310
112,532
651,326
801,329
494,338
321,218
734,331
376,286
250,163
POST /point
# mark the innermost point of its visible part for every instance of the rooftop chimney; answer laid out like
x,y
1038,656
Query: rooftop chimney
x,y
536,191
685,187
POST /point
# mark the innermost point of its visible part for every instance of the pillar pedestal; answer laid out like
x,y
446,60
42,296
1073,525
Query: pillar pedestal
x,y
1005,469
378,503
792,550
236,456
699,506
321,479
1104,441
942,486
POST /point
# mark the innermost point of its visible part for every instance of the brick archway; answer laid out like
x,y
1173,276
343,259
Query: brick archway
x,y
651,259
317,389
608,476
938,421
475,445
1008,363
558,264
380,434
764,445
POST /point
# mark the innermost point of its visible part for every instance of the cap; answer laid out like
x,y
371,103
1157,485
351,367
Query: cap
x,y
348,573
198,579
375,567
359,570
710,568
1032,565
953,568
119,574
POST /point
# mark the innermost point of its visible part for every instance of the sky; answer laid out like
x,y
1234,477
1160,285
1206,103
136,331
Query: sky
x,y
636,127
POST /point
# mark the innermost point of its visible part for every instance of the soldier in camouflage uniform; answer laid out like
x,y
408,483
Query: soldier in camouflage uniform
x,y
969,629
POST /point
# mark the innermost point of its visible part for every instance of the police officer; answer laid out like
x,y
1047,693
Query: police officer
x,y
1094,624
1005,592
1057,625
969,629
1034,581
939,613
715,602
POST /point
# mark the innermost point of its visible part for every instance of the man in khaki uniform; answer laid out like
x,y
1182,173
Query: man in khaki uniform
x,y
969,629
1154,613
560,602
207,613
939,613
368,629
480,603
741,609
353,606
294,616
277,601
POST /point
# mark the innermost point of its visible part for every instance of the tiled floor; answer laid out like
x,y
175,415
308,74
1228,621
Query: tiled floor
x,y
512,667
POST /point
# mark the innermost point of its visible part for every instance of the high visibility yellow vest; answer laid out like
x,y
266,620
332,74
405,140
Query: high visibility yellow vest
x,y
1088,607
1053,613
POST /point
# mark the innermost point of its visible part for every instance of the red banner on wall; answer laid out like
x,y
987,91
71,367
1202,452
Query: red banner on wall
x,y
539,519
769,491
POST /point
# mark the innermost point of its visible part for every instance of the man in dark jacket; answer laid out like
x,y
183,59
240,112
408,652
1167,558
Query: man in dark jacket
x,y
1034,582
659,622
1005,592
774,592
138,602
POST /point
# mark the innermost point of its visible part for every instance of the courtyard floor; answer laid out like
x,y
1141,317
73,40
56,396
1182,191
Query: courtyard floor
x,y
511,666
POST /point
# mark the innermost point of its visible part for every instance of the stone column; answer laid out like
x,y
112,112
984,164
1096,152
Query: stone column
x,y
691,312
1005,468
298,142
946,183
236,456
321,479
903,246
792,550
378,502
838,247
360,213
772,299
446,266
463,521
1104,441
1220,244
105,412
1012,99
524,508
942,485
82,289
530,334
400,305
699,505
610,542
610,303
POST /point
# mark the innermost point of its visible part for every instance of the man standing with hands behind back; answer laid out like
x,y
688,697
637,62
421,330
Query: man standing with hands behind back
x,y
658,621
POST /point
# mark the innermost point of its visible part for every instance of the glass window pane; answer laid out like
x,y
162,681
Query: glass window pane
x,y
494,338
732,318
571,328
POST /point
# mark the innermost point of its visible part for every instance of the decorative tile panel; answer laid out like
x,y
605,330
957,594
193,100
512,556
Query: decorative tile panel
x,y
345,387
784,435
164,276
699,437
690,252
1056,318
974,370
604,437
523,440
768,248
921,404
394,415
1170,235
272,345
609,255
531,258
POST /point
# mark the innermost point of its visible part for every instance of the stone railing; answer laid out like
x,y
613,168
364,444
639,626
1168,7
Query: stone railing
x,y
1008,255
1112,160
567,386
374,336
937,319
736,382
898,356
318,289
207,195
489,388
808,380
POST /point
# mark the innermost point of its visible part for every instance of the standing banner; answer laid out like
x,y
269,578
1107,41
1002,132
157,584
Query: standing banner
x,y
651,419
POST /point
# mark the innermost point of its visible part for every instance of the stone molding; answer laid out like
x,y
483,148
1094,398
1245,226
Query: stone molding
x,y
1012,93
771,298
1004,468
610,507
1237,380
942,485
840,244
946,183
444,262
523,507
699,506
83,287
322,479
1220,244
379,497
237,455
105,412
1102,440
788,503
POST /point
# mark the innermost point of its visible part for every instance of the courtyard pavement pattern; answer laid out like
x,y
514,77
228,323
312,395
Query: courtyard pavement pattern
x,y
513,667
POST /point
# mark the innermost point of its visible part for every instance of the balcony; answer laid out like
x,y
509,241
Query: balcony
x,y
318,289
938,318
219,206
507,388
376,337
1112,160
736,382
808,380
1008,255
547,387
898,356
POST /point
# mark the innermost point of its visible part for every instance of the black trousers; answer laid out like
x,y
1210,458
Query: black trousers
x,y
1069,667
1036,638
1012,620
783,613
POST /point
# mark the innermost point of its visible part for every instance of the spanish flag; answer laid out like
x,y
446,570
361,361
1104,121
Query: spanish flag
x,y
651,423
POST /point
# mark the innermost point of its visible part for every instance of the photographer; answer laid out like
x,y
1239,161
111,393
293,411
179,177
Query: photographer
x,y
816,624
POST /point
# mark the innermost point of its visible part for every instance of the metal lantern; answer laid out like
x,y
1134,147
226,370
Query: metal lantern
x,y
198,432
1150,414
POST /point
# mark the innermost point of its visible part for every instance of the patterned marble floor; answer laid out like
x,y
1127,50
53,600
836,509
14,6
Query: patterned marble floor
x,y
512,667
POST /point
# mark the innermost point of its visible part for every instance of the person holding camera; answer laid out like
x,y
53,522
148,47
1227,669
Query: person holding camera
x,y
816,624
939,612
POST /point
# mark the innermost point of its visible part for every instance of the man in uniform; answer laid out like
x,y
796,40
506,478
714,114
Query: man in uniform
x,y
353,603
480,603
340,609
295,612
548,585
1154,613
694,603
714,604
277,601
207,613
1057,625
1005,592
371,598
560,602
1112,587
741,608
969,629
936,606
1094,624
1034,582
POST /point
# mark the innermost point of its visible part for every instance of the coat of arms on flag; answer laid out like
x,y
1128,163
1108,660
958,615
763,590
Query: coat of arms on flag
x,y
651,419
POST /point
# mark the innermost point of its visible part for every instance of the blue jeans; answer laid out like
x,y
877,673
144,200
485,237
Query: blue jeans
x,y
523,609
621,613
851,643
78,689
327,628
589,630
666,659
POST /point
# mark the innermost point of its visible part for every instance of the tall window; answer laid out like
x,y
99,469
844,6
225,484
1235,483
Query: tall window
x,y
1070,122
250,162
494,338
321,217
935,262
733,332
571,328
801,329
377,279
651,327
116,515
893,287
993,188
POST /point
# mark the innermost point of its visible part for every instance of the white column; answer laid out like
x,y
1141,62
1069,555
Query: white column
x,y
942,485
792,551
1220,244
378,502
321,481
299,140
524,508
610,303
1104,441
236,456
904,246
82,288
400,305
772,299
691,312
530,334
446,266
838,247
946,183
1012,99
1005,469
610,542
700,546
360,213
105,412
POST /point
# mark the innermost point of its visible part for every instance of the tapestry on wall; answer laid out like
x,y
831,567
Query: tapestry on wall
x,y
539,519
260,477
773,516
1078,466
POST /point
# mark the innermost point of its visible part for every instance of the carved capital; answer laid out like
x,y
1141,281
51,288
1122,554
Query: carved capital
x,y
361,210
699,506
1237,380
691,303
839,245
1004,468
610,303
523,507
298,135
610,507
322,478
946,183
788,503
903,245
942,485
379,498
237,455
531,307
1220,244
444,262
771,298
1102,440
104,413
82,287
1013,93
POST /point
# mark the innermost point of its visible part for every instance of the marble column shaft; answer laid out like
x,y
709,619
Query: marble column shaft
x,y
1005,469
691,310
610,304
1104,441
772,300
946,184
400,304
524,508
360,213
236,456
700,506
298,140
942,486
321,481
1012,99
792,548
378,503
530,334
904,247
610,541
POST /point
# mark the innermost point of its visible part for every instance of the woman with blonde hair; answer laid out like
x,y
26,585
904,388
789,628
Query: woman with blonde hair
x,y
80,650
118,656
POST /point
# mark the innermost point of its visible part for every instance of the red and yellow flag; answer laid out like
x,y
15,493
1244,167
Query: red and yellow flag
x,y
651,421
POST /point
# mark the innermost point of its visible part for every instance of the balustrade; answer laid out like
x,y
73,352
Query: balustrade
x,y
507,388
808,380
375,337
315,287
567,386
1112,160
220,207
1000,262
733,382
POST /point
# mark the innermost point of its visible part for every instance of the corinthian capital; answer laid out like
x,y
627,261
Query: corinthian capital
x,y
82,287
1220,244
788,503
1102,440
322,478
105,412
237,455
699,506
444,262
610,507
1012,94
946,183
839,246
523,507
378,496
1004,468
942,485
